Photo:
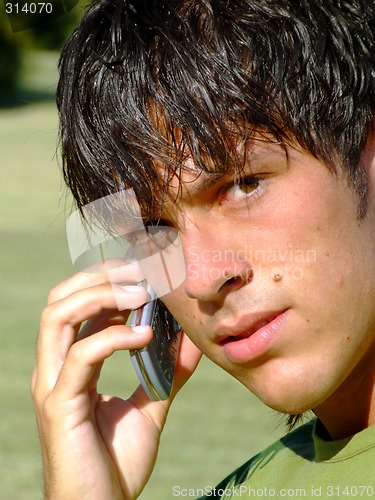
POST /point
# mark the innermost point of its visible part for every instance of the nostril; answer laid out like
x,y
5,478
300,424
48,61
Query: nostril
x,y
233,281
241,279
249,276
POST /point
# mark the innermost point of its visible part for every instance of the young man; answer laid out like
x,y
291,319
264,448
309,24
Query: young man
x,y
248,127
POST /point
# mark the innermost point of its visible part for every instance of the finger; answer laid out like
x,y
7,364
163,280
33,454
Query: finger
x,y
77,375
187,361
61,321
102,321
114,271
188,358
89,302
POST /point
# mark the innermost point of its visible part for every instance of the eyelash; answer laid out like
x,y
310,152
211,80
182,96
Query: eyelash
x,y
244,181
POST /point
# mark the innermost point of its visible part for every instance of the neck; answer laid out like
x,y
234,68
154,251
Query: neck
x,y
351,408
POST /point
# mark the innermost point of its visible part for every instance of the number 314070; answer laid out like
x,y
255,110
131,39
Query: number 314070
x,y
28,8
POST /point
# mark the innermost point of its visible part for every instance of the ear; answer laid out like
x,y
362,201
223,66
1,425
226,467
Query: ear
x,y
368,166
368,156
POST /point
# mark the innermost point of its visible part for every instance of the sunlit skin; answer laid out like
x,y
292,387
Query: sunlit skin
x,y
320,352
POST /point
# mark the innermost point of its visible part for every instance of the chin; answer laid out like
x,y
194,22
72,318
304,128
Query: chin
x,y
291,395
289,407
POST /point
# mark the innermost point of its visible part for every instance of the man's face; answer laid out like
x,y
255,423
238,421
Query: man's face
x,y
280,276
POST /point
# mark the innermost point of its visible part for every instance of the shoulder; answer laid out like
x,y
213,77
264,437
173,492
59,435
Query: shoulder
x,y
299,442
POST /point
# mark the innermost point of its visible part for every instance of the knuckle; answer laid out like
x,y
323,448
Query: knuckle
x,y
56,293
77,353
38,399
48,408
47,313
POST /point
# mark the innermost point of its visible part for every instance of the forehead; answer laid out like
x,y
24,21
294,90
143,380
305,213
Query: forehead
x,y
191,185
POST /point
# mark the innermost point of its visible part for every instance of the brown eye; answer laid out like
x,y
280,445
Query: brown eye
x,y
242,188
248,184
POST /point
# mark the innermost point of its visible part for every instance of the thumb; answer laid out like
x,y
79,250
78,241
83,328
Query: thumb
x,y
188,358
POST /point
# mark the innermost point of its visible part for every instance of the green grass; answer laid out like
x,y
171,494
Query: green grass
x,y
215,423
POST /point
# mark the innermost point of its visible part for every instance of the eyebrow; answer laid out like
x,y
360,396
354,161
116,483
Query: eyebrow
x,y
205,179
203,182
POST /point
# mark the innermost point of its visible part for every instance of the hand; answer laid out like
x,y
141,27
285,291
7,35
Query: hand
x,y
96,446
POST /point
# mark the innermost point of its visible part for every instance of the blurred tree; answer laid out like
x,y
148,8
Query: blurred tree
x,y
50,34
10,59
26,26
48,23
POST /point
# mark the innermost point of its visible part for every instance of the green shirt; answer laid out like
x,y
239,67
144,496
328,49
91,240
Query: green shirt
x,y
304,465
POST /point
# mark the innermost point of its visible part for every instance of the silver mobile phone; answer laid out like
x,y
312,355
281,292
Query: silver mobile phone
x,y
155,363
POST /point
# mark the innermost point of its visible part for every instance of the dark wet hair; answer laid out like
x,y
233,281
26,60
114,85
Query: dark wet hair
x,y
146,83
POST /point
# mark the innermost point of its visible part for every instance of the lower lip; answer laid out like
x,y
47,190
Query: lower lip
x,y
257,344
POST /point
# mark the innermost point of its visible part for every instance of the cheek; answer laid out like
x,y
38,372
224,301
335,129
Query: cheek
x,y
334,300
185,311
316,246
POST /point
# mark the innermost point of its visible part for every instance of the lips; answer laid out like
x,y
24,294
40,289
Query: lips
x,y
246,327
251,337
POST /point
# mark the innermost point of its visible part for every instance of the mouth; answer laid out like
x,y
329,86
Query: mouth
x,y
244,328
251,336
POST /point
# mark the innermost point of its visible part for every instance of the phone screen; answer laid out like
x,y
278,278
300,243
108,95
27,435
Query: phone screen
x,y
155,363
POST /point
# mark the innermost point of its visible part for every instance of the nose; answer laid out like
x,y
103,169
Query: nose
x,y
213,267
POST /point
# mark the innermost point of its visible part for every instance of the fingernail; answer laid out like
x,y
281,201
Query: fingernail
x,y
140,328
131,288
137,288
130,296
